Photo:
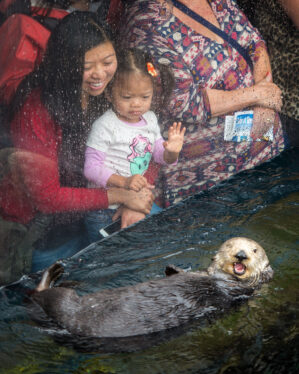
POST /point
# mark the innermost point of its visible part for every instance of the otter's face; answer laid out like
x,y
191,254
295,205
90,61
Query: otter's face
x,y
244,259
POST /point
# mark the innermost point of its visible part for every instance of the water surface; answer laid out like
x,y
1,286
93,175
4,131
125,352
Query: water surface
x,y
259,337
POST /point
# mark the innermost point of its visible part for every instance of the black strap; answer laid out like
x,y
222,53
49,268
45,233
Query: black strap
x,y
215,29
48,22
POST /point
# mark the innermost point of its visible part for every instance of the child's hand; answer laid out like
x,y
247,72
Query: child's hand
x,y
175,140
174,143
135,182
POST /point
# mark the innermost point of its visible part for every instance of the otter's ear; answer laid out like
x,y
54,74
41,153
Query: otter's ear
x,y
171,269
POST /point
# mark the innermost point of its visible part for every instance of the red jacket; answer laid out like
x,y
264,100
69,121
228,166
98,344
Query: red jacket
x,y
33,184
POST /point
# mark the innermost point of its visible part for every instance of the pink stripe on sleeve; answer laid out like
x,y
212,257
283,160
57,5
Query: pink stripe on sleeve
x,y
158,153
94,169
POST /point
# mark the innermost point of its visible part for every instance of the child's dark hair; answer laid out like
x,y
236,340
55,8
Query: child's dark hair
x,y
136,60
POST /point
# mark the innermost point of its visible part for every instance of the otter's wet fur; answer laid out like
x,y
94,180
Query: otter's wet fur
x,y
239,267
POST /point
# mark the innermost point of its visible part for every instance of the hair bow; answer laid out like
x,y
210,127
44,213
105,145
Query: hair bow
x,y
151,70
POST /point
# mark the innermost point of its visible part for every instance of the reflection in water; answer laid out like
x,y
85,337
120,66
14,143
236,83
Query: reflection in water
x,y
261,337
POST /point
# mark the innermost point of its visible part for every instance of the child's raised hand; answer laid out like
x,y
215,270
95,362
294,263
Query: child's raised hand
x,y
135,182
174,143
175,140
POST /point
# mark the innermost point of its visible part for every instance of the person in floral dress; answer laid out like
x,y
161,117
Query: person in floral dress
x,y
212,80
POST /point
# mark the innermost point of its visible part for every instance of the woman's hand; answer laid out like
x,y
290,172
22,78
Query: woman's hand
x,y
268,94
263,120
128,216
140,201
265,93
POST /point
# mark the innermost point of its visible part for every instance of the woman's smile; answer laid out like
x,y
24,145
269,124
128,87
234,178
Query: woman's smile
x,y
99,67
96,85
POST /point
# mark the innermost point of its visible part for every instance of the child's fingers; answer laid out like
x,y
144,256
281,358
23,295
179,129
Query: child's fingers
x,y
142,180
176,127
149,186
138,182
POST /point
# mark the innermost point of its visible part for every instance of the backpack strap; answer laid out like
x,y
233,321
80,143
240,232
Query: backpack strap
x,y
48,22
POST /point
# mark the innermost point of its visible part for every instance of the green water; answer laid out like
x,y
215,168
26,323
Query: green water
x,y
259,337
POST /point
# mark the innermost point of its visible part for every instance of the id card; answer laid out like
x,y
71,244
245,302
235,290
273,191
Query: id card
x,y
238,127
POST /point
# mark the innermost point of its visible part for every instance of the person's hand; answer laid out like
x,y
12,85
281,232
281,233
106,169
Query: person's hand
x,y
175,140
136,182
128,216
268,94
140,201
174,143
263,120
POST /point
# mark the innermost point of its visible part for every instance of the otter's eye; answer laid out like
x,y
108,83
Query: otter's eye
x,y
255,250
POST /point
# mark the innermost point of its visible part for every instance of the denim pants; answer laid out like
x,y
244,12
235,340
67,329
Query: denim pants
x,y
96,220
62,242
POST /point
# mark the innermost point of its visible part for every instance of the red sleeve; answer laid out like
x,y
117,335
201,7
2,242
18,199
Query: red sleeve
x,y
40,177
38,138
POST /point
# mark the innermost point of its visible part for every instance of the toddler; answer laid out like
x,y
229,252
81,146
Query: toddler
x,y
125,138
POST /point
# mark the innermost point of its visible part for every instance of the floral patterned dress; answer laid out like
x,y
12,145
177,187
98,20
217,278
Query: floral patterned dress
x,y
199,63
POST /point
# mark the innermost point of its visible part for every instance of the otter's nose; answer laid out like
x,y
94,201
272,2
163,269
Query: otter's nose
x,y
241,255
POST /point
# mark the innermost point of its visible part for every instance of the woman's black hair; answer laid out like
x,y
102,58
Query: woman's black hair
x,y
136,60
59,79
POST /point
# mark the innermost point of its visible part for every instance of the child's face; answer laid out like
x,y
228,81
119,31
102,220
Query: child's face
x,y
132,96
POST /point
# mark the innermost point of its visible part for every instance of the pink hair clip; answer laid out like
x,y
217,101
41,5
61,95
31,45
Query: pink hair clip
x,y
151,70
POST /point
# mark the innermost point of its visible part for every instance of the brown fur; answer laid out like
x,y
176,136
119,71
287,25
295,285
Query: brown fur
x,y
238,268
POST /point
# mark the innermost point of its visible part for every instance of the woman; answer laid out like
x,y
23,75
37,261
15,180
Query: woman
x,y
278,22
212,80
50,119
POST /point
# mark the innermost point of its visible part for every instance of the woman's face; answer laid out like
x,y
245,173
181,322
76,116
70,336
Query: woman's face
x,y
99,67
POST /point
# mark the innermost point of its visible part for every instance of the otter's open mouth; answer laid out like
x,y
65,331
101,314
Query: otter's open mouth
x,y
239,268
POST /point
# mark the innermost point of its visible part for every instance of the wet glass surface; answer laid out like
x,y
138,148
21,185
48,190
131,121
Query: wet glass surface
x,y
259,337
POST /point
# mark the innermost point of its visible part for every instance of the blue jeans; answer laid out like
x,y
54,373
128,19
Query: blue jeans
x,y
63,242
42,259
96,220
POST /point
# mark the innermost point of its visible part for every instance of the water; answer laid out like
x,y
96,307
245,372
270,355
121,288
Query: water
x,y
259,337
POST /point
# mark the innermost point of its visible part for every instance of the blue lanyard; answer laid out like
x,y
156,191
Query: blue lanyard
x,y
216,30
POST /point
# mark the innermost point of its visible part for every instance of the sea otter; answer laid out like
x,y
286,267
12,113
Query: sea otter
x,y
239,267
